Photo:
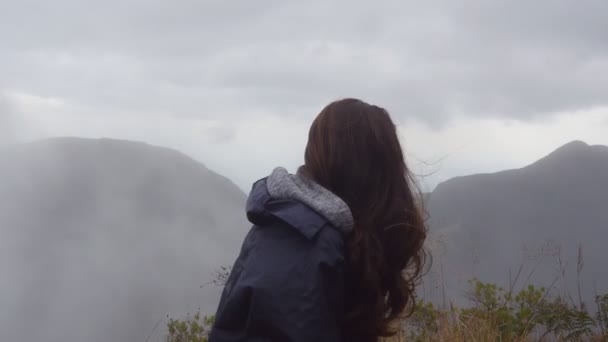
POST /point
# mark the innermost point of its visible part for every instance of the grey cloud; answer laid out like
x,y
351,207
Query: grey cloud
x,y
210,59
8,120
220,132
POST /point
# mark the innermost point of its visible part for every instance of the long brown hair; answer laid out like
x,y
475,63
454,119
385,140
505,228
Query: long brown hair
x,y
354,151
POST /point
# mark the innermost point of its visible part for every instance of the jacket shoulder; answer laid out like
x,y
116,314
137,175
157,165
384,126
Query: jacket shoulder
x,y
286,287
279,240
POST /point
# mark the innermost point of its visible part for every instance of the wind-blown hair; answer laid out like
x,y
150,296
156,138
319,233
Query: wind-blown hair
x,y
354,151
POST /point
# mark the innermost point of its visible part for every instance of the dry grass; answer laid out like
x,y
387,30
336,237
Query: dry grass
x,y
455,330
475,331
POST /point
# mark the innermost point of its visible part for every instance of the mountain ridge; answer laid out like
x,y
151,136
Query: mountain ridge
x,y
558,156
107,236
70,141
489,219
133,230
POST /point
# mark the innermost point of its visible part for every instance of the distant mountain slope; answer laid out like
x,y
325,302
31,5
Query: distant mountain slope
x,y
491,223
101,239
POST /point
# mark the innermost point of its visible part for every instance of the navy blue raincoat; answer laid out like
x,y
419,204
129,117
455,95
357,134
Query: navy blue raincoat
x,y
287,283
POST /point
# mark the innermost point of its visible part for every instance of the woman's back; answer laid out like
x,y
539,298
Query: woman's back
x,y
336,248
287,283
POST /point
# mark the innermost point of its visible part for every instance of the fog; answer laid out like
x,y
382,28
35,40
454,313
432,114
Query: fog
x,y
223,82
103,239
107,239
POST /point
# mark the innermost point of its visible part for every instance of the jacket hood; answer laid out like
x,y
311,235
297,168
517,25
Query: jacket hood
x,y
299,201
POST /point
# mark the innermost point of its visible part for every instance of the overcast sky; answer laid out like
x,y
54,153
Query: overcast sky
x,y
475,86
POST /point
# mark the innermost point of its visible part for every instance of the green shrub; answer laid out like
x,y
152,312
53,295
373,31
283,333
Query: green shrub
x,y
513,317
193,329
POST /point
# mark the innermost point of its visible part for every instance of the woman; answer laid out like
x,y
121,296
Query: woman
x,y
336,248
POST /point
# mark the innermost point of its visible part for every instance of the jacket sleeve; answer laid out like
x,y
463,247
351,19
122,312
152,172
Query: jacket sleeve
x,y
283,287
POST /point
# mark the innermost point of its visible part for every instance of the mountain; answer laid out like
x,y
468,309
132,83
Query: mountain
x,y
102,239
536,217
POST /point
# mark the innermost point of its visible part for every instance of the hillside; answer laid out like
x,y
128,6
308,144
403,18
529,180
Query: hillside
x,y
101,239
533,216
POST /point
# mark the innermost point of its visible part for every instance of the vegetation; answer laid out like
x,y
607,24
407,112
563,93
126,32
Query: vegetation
x,y
193,328
494,314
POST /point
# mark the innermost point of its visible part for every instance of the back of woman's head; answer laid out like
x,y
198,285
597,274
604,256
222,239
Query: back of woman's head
x,y
354,151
